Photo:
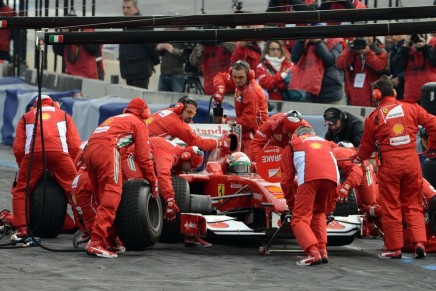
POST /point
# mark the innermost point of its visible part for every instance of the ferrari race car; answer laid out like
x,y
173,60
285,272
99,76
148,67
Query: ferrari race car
x,y
230,198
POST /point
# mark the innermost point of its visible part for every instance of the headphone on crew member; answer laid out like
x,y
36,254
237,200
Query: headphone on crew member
x,y
293,115
342,115
240,63
377,94
181,104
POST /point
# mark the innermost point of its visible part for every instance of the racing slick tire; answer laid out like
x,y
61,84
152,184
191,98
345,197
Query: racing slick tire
x,y
139,218
47,210
171,231
432,214
349,208
428,170
428,101
200,204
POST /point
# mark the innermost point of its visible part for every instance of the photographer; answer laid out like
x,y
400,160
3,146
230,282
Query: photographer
x,y
248,51
393,43
419,61
315,71
361,60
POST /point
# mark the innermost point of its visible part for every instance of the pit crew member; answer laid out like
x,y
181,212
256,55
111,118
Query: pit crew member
x,y
360,177
173,122
62,145
250,101
276,131
168,157
103,159
316,183
391,131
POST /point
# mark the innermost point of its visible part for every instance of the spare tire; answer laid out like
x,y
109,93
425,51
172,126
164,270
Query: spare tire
x,y
429,170
349,208
171,231
139,216
47,210
428,98
432,214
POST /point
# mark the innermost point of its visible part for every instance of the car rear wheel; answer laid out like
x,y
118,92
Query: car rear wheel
x,y
47,210
139,217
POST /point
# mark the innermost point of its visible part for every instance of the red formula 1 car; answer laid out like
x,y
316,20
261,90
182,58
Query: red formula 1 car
x,y
228,199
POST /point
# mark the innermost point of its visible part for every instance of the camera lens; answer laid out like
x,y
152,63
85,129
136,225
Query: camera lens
x,y
415,38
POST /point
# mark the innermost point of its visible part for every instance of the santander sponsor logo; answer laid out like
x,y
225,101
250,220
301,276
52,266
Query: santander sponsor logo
x,y
273,150
189,224
217,131
234,185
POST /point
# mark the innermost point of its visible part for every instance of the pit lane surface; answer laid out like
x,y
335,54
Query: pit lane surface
x,y
227,265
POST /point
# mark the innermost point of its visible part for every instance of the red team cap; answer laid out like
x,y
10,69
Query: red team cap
x,y
138,107
291,121
194,155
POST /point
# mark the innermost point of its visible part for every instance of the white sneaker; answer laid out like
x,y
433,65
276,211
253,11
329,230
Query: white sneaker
x,y
97,249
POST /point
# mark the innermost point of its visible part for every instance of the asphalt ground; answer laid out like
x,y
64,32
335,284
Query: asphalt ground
x,y
228,265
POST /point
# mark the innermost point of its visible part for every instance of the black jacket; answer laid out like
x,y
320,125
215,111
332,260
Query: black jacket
x,y
352,130
137,60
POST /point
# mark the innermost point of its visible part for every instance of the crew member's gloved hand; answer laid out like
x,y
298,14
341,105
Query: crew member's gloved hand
x,y
355,159
224,142
430,153
343,193
171,210
218,96
154,189
370,210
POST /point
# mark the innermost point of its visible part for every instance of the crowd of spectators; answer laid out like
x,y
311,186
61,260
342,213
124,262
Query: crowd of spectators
x,y
324,70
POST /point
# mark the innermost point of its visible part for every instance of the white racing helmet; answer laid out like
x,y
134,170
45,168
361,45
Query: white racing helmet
x,y
238,163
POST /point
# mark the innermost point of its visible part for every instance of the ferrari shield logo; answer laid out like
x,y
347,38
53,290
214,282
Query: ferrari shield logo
x,y
221,190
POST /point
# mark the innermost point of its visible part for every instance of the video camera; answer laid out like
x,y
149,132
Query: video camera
x,y
187,51
358,44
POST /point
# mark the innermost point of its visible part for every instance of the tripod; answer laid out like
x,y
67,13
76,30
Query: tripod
x,y
193,84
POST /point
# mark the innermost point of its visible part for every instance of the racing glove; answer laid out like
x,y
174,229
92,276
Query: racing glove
x,y
224,142
430,153
171,210
154,188
370,210
355,159
218,96
343,193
